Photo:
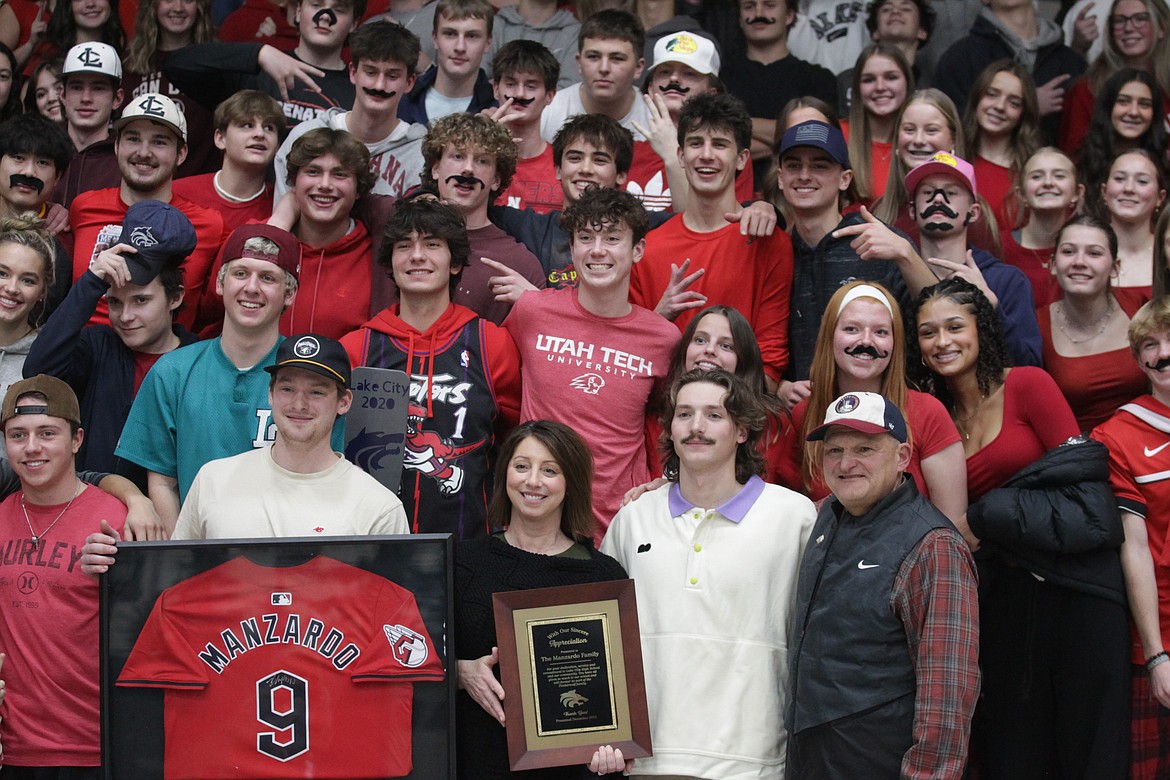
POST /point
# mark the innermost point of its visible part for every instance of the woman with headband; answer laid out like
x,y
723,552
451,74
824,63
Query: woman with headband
x,y
861,348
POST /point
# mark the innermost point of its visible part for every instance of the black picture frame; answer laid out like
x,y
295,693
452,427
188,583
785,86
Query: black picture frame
x,y
132,718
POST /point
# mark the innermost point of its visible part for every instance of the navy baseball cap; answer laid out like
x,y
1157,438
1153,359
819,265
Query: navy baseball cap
x,y
863,412
319,354
818,135
161,233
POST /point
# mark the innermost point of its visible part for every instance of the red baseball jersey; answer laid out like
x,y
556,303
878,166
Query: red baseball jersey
x,y
305,671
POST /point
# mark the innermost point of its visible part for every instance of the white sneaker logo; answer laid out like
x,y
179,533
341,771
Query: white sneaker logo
x,y
863,565
1151,453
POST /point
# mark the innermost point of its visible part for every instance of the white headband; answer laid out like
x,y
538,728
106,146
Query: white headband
x,y
865,291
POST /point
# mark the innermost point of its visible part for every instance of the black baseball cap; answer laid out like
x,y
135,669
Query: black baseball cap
x,y
311,352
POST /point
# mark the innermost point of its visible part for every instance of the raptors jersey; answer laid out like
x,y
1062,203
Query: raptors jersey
x,y
304,672
450,426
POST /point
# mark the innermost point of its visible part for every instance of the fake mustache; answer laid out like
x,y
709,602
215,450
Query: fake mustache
x,y
761,20
1161,364
327,14
699,438
20,180
379,93
470,181
522,102
674,86
867,349
939,208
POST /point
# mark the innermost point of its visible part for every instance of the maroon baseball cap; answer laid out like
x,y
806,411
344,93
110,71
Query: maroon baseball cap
x,y
288,256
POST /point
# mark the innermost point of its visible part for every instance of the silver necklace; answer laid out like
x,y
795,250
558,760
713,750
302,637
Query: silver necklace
x,y
36,538
1101,324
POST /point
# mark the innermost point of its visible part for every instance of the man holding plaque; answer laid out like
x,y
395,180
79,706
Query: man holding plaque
x,y
884,669
714,553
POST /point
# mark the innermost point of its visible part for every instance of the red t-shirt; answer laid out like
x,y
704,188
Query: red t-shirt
x,y
597,375
201,190
1036,265
300,669
535,185
143,362
753,276
1036,418
995,184
49,631
96,217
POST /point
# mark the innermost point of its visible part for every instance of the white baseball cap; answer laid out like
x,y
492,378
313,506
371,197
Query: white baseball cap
x,y
156,108
695,51
93,58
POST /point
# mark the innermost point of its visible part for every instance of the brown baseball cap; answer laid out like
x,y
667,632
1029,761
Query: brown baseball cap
x,y
60,401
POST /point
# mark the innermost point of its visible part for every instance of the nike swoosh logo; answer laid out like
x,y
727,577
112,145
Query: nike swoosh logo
x,y
863,565
1151,453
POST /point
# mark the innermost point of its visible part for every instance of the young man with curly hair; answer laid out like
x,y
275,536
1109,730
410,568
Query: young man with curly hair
x,y
591,359
470,160
464,372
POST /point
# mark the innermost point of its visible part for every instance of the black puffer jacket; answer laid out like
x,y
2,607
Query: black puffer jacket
x,y
1058,519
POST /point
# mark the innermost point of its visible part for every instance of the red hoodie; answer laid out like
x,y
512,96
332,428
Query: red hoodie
x,y
333,293
464,390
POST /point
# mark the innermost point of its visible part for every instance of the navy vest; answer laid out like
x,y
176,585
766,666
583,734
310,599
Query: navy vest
x,y
850,651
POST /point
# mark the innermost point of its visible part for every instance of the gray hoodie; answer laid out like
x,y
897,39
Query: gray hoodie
x,y
559,34
396,160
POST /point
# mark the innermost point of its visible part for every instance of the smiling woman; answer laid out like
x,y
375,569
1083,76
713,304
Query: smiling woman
x,y
542,501
26,274
1052,597
1085,345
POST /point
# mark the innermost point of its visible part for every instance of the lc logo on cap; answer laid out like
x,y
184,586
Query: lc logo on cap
x,y
90,58
307,347
151,106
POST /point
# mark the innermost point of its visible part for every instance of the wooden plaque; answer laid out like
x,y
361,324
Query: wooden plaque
x,y
571,667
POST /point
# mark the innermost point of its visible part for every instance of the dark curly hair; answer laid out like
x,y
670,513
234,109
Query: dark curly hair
x,y
473,133
743,406
426,217
993,358
1102,145
598,207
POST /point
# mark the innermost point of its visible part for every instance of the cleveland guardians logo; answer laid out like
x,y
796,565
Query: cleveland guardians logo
x,y
846,404
409,647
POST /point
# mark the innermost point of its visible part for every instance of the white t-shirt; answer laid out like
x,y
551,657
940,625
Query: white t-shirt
x,y
567,104
250,497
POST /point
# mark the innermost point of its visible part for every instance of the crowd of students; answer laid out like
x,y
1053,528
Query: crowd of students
x,y
559,213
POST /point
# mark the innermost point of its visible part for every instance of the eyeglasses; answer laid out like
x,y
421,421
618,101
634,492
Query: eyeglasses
x,y
1138,20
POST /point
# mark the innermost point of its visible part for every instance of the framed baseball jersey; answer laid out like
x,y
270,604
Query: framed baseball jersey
x,y
278,659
